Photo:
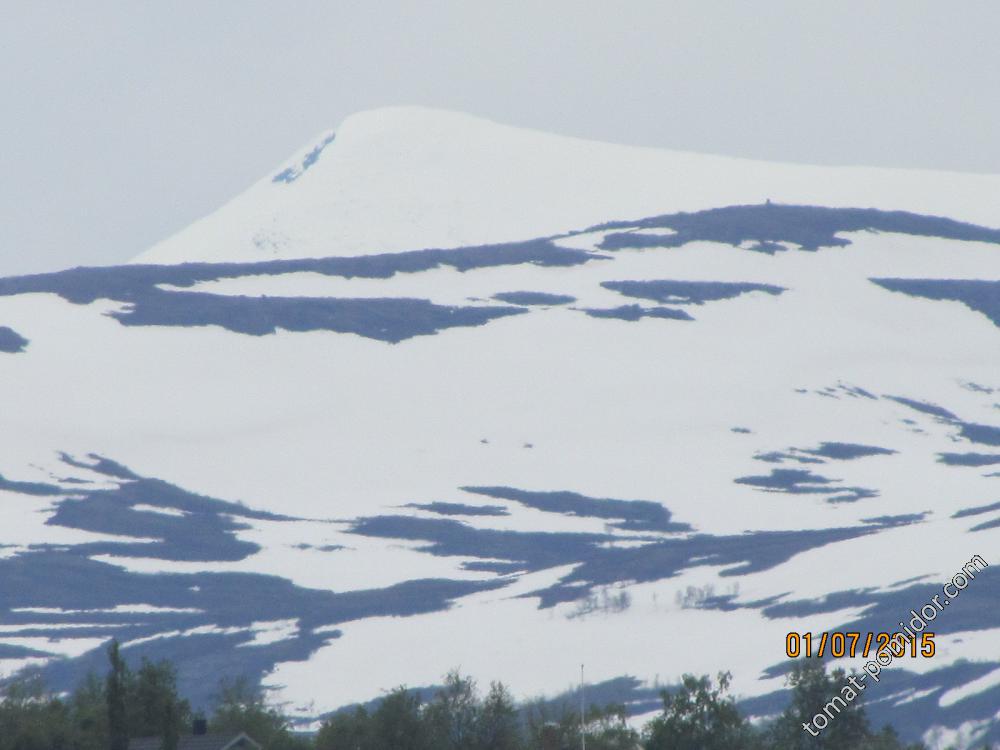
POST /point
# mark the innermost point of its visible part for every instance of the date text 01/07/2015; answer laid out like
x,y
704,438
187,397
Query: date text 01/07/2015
x,y
854,643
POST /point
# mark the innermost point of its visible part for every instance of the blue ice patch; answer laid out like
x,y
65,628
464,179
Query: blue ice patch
x,y
802,482
969,459
533,298
846,451
387,319
687,292
291,174
633,313
11,341
64,577
635,515
770,226
460,509
976,294
923,407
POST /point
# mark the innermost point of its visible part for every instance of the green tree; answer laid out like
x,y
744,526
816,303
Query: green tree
x,y
31,718
398,723
153,705
241,707
115,695
346,730
171,724
607,729
551,726
700,715
887,739
847,726
557,727
813,689
89,714
498,727
453,715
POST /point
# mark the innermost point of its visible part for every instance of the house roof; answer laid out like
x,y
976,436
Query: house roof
x,y
215,741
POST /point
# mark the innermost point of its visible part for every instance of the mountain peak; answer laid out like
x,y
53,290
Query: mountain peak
x,y
403,178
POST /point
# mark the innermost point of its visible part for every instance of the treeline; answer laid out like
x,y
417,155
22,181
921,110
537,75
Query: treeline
x,y
700,714
103,713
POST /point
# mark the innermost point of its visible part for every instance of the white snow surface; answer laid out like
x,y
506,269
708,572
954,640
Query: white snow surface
x,y
330,427
405,178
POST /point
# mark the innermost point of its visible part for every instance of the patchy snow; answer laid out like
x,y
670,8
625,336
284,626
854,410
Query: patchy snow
x,y
272,632
157,509
333,434
969,689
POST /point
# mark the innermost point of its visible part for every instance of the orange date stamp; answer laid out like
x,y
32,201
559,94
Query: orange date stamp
x,y
853,643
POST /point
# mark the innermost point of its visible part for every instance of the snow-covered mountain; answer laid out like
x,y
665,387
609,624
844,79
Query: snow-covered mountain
x,y
443,393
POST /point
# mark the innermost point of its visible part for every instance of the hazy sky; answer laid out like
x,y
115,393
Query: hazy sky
x,y
123,121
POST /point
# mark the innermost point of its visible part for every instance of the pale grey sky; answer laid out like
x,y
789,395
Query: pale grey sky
x,y
123,121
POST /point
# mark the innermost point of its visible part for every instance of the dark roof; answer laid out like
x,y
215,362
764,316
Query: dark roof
x,y
215,741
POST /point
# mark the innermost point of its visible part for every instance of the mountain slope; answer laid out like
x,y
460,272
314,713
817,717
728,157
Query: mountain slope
x,y
407,178
511,402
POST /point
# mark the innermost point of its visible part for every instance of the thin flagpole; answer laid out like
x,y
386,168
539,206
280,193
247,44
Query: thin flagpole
x,y
583,723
